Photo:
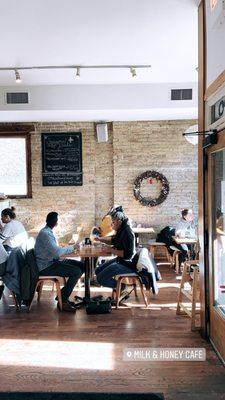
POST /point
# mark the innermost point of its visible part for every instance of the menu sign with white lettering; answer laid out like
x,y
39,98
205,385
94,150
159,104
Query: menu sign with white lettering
x,y
62,159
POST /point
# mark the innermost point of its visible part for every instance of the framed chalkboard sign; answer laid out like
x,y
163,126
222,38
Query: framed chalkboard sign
x,y
62,159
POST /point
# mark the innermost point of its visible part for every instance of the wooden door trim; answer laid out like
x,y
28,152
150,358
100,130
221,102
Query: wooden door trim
x,y
220,145
210,203
217,321
215,86
201,174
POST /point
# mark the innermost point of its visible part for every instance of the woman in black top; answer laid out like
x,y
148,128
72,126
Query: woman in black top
x,y
124,249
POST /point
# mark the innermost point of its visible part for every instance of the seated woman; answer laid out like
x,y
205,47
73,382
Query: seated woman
x,y
123,247
186,227
12,233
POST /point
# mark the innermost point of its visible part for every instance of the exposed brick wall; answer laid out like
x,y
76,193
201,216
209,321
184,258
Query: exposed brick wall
x,y
109,170
160,146
104,176
77,205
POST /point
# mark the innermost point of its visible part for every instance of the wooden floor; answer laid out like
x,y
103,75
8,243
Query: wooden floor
x,y
46,350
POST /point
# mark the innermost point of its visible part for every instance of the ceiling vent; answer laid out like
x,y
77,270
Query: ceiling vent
x,y
17,98
181,94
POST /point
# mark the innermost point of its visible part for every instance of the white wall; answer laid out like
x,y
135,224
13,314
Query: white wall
x,y
215,46
99,102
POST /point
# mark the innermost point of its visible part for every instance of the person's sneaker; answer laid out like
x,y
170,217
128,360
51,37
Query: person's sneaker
x,y
75,305
67,307
71,303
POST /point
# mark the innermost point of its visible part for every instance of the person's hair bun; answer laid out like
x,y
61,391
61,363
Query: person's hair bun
x,y
13,208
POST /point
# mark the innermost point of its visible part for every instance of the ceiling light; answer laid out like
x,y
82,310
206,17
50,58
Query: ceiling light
x,y
78,73
133,72
18,79
133,69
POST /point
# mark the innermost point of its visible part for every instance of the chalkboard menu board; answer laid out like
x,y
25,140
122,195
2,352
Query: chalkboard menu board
x,y
62,159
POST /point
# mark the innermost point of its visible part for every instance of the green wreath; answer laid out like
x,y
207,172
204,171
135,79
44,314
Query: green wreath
x,y
146,201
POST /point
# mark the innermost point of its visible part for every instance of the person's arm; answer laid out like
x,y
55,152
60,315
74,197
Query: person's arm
x,y
107,240
54,250
5,233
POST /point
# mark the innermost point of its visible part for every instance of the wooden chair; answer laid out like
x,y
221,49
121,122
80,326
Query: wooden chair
x,y
192,294
129,279
39,286
173,260
155,246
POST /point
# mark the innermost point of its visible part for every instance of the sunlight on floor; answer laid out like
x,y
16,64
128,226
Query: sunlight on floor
x,y
167,285
57,354
151,306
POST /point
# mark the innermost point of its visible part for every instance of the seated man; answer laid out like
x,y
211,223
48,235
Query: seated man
x,y
186,227
123,247
47,254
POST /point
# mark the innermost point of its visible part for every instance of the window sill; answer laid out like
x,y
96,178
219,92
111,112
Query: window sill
x,y
14,196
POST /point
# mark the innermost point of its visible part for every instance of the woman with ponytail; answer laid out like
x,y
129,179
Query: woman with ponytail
x,y
12,233
123,243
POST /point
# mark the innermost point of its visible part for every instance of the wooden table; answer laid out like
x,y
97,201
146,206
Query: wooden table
x,y
188,241
88,253
138,230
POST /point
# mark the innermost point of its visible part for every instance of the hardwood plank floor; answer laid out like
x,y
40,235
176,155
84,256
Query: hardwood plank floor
x,y
46,350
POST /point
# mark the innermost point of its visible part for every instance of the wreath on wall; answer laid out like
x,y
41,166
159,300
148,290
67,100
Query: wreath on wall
x,y
151,176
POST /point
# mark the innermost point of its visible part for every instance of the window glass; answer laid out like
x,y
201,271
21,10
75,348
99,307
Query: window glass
x,y
219,230
13,171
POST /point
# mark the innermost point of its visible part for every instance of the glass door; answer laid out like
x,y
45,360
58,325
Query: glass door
x,y
216,214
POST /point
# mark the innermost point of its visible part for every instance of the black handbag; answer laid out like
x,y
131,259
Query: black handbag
x,y
99,305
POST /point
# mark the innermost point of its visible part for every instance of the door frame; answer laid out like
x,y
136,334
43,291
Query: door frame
x,y
202,173
216,317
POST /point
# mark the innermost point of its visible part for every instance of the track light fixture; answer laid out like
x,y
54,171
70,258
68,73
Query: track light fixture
x,y
132,69
18,79
133,72
78,73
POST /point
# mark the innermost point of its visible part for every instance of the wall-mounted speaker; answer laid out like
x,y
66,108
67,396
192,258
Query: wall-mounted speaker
x,y
102,133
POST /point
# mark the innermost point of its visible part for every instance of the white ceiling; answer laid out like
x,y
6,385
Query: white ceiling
x,y
162,33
